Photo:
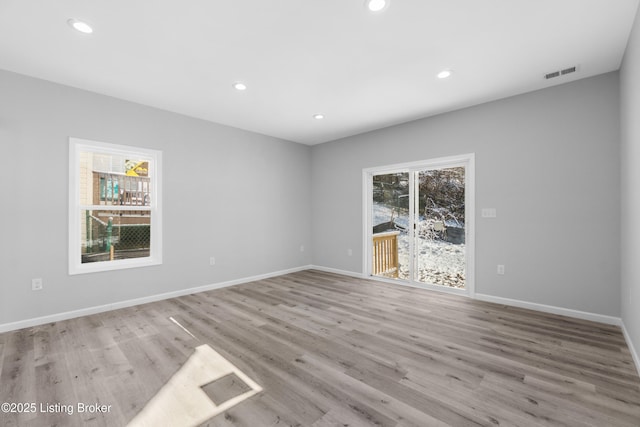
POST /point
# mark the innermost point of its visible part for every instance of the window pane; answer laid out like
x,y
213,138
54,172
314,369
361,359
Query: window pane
x,y
108,235
390,214
112,179
440,237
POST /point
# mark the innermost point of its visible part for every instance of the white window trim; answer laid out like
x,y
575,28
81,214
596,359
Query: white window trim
x,y
78,145
466,160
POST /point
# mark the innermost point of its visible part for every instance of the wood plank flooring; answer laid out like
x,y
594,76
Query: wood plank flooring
x,y
331,350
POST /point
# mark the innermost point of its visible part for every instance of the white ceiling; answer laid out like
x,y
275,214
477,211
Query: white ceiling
x,y
363,71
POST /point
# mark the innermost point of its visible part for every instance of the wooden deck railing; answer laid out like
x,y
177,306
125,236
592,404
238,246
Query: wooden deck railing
x,y
121,189
385,254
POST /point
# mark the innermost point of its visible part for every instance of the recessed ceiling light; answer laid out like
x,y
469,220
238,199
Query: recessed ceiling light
x,y
376,5
444,74
239,86
318,116
81,26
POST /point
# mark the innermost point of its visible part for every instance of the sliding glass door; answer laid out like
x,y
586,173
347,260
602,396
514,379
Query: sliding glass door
x,y
418,221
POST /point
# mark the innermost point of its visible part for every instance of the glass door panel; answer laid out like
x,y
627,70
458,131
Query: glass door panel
x,y
391,221
439,238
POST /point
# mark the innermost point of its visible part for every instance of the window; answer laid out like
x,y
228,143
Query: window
x,y
115,217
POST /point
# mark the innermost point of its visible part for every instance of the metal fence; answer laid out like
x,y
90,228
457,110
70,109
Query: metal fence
x,y
112,239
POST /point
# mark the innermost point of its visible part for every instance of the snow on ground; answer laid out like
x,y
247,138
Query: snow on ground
x,y
438,262
382,213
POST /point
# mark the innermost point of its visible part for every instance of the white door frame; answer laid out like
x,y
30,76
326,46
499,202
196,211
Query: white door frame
x,y
466,160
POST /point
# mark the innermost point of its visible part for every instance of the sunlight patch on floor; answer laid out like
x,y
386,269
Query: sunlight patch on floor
x,y
182,400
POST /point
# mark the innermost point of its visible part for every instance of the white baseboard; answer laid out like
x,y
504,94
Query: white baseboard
x,y
337,271
27,323
632,348
609,320
585,315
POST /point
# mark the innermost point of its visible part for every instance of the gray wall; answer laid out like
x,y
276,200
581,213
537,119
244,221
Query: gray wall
x,y
630,183
548,161
241,197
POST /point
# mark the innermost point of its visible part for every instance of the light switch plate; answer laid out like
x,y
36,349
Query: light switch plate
x,y
488,212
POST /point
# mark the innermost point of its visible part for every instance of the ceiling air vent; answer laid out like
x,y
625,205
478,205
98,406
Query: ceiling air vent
x,y
559,73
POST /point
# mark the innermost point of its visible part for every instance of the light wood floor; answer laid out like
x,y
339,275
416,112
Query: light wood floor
x,y
333,350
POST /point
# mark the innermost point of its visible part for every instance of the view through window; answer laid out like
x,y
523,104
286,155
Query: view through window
x,y
418,222
113,206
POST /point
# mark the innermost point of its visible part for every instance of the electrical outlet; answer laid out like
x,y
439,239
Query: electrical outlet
x,y
500,269
301,248
36,284
212,260
350,252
